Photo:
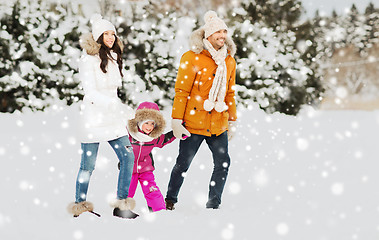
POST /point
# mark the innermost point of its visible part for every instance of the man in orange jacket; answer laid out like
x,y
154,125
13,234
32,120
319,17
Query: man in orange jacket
x,y
204,106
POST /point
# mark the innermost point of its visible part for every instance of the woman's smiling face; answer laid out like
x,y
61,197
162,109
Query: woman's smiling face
x,y
109,38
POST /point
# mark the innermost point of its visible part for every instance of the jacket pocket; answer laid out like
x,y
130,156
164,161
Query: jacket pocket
x,y
195,116
220,120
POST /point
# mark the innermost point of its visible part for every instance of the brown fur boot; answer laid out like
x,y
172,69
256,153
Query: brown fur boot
x,y
78,208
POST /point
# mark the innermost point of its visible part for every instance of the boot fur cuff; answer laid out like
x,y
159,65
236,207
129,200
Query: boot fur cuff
x,y
124,204
78,208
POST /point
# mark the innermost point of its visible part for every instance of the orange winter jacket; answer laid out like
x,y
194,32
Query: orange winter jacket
x,y
193,83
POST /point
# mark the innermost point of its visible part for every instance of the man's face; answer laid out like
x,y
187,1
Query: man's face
x,y
218,38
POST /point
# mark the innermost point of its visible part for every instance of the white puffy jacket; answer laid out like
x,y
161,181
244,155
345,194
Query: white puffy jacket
x,y
104,116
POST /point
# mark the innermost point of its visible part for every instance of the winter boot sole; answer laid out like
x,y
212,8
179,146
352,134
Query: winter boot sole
x,y
94,213
128,214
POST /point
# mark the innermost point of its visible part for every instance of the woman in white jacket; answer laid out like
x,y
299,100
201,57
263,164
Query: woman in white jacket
x,y
103,115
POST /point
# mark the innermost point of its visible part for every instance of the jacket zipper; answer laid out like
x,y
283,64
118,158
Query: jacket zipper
x,y
139,154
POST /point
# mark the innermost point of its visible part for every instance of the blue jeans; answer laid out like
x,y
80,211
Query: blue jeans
x,y
221,161
124,152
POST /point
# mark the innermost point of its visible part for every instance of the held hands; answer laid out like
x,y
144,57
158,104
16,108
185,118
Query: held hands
x,y
232,128
179,130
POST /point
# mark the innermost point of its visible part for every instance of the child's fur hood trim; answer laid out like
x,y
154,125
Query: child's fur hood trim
x,y
196,42
144,114
91,46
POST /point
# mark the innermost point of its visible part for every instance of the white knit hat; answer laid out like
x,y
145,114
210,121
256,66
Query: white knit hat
x,y
143,122
100,25
213,23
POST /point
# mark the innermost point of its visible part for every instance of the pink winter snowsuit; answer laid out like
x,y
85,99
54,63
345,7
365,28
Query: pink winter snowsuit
x,y
143,159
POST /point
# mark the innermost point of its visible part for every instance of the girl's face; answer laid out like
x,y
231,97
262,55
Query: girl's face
x,y
109,38
147,127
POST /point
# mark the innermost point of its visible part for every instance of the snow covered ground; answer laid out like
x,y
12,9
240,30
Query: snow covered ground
x,y
312,177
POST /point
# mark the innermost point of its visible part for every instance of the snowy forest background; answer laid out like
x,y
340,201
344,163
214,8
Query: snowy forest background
x,y
281,54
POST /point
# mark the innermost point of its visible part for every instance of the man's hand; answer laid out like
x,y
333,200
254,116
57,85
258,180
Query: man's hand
x,y
232,128
179,130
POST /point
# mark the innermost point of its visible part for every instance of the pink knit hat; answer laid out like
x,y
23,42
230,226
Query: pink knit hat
x,y
148,105
212,23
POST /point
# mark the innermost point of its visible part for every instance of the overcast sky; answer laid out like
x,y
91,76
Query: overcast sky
x,y
340,6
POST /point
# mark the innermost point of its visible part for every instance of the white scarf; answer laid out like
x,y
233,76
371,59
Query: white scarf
x,y
141,137
217,93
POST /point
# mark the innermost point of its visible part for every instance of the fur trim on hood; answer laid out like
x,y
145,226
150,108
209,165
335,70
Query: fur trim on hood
x,y
91,46
144,114
196,42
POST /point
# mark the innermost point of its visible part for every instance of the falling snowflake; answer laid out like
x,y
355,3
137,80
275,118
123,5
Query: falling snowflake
x,y
337,189
282,229
261,178
228,232
302,144
78,234
234,187
2,151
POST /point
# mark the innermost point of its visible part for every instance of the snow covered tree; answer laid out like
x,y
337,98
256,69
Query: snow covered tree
x,y
350,43
107,8
312,53
152,45
372,22
40,43
278,56
281,15
24,80
62,46
353,28
354,24
273,70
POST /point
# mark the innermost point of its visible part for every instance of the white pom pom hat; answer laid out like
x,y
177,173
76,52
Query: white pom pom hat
x,y
100,25
213,24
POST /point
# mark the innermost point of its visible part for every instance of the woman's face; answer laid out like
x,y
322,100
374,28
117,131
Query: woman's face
x,y
109,38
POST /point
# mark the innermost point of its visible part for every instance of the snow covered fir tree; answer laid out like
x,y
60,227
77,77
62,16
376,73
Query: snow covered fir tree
x,y
349,48
272,60
281,57
39,41
153,41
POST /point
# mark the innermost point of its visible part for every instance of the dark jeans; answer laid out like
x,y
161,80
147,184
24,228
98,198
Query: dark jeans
x,y
221,161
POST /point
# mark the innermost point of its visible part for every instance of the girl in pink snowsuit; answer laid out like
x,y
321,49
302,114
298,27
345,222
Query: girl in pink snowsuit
x,y
146,133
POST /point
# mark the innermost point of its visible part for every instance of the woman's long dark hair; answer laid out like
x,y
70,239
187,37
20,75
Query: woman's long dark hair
x,y
105,54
